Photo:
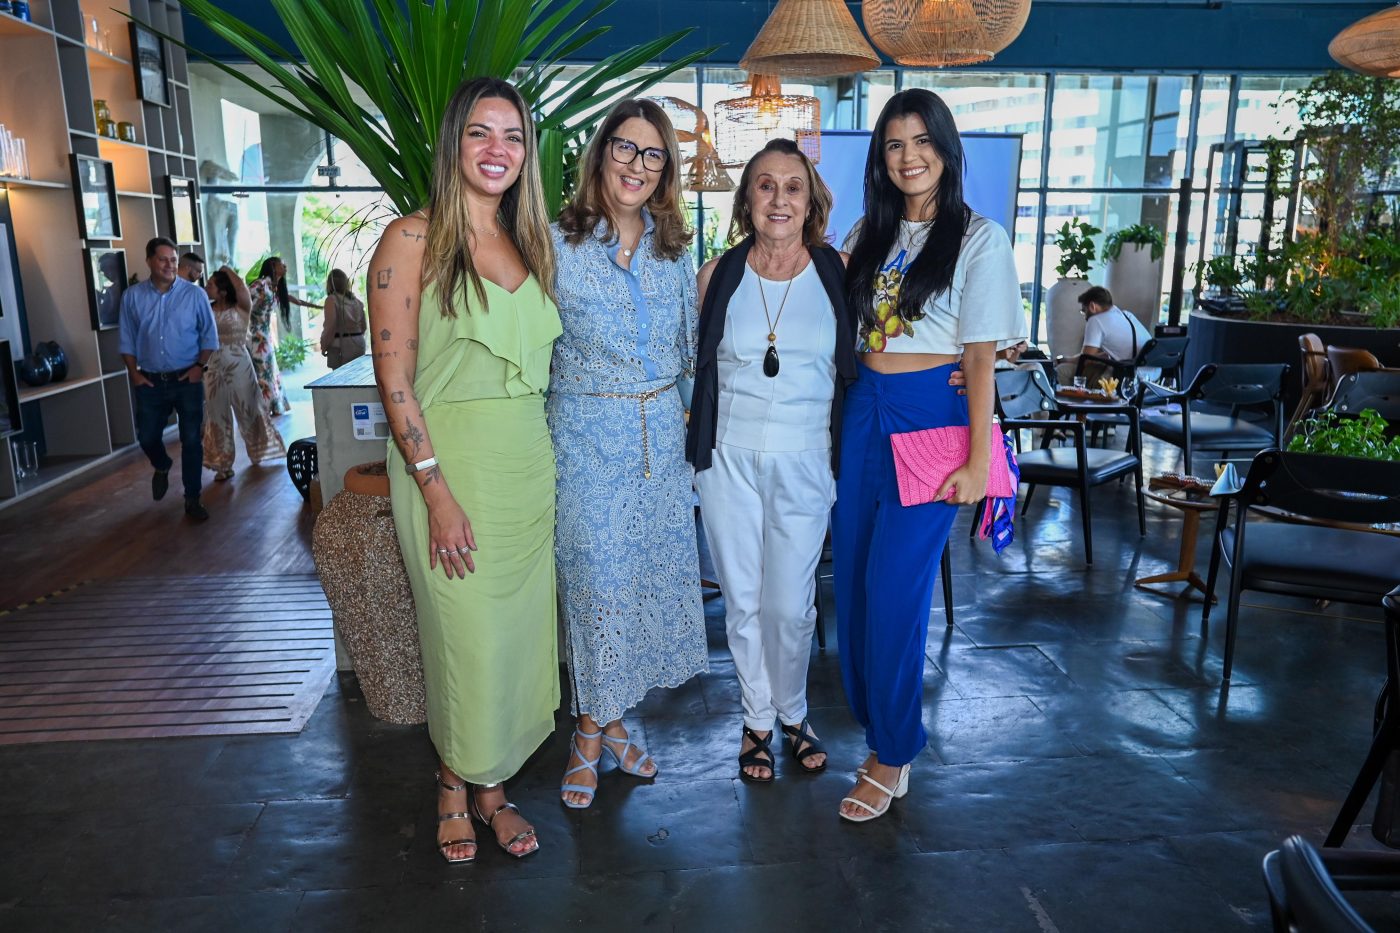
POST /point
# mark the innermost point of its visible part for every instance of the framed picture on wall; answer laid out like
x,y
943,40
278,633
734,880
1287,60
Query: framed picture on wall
x,y
149,59
96,185
106,278
183,198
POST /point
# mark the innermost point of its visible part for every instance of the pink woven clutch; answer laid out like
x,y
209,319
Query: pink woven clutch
x,y
923,460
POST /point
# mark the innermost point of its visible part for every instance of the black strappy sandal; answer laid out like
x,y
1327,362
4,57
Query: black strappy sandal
x,y
753,758
799,734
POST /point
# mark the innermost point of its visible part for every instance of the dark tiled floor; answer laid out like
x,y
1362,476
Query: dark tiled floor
x,y
1085,773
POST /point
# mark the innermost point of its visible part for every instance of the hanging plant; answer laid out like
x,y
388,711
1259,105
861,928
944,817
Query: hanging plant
x,y
1141,234
409,57
1076,245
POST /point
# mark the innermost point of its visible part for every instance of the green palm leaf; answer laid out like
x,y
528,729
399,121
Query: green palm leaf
x,y
407,57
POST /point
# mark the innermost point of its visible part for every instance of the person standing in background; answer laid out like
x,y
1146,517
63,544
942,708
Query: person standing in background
x,y
230,385
167,336
268,293
191,267
343,327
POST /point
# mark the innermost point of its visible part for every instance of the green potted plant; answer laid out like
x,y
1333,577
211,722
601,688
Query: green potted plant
x,y
1077,251
1133,257
1363,436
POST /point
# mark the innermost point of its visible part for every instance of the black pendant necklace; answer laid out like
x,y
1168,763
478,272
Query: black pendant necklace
x,y
770,359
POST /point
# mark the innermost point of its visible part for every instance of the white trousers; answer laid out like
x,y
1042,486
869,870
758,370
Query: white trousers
x,y
765,517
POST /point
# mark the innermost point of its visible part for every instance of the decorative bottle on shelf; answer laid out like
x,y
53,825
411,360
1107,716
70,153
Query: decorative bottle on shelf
x,y
20,9
105,126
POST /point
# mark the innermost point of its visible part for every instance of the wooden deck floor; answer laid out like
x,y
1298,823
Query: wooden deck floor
x,y
144,657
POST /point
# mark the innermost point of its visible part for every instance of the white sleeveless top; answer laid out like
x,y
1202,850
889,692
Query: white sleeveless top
x,y
790,411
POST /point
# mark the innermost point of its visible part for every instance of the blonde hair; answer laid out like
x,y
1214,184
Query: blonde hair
x,y
338,283
581,215
813,225
447,258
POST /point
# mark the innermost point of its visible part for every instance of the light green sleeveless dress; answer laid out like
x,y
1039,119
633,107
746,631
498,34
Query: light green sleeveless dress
x,y
490,651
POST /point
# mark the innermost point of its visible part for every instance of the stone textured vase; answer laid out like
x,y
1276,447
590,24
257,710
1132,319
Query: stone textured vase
x,y
1135,279
357,557
1066,323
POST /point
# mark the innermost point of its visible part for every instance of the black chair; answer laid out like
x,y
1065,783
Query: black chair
x,y
1378,389
1166,354
1236,387
1305,886
1022,393
1387,740
1308,559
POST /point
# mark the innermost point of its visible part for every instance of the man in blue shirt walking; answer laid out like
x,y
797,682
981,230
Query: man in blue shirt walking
x,y
167,336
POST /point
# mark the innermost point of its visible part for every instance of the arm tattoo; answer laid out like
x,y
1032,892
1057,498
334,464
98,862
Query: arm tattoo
x,y
412,434
384,335
431,475
412,344
397,397
381,278
409,234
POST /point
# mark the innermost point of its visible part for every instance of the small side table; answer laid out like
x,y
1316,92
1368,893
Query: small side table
x,y
1191,503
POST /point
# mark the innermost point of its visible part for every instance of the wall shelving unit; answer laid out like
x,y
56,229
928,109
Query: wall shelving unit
x,y
48,83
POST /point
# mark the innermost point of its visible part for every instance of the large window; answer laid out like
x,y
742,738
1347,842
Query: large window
x,y
1109,148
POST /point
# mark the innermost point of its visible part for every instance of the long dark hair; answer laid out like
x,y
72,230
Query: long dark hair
x,y
284,300
932,270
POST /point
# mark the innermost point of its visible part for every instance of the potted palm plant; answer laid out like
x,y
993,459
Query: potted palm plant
x,y
408,58
1076,244
1133,256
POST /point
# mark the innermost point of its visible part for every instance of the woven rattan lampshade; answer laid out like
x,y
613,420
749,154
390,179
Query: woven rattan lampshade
x,y
928,33
1371,45
703,171
744,125
809,38
1003,20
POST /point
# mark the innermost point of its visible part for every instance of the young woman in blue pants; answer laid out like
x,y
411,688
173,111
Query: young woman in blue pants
x,y
933,284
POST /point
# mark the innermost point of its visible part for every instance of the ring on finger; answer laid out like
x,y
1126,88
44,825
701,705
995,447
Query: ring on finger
x,y
463,550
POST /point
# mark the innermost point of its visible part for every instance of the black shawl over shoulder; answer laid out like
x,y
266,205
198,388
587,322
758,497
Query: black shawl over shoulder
x,y
704,407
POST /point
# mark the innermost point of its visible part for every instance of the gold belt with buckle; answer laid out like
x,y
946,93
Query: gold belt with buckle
x,y
643,398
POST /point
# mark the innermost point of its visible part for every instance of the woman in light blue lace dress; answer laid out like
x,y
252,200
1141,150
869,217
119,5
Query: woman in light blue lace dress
x,y
625,533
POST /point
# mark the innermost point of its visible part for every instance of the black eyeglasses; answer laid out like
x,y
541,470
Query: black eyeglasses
x,y
625,151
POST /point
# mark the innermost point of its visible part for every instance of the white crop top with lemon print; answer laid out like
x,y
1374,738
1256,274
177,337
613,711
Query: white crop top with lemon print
x,y
982,305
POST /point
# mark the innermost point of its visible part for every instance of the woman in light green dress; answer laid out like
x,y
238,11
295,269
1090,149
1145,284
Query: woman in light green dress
x,y
464,327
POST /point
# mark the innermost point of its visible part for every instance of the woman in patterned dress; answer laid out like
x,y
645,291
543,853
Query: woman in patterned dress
x,y
268,293
231,386
625,538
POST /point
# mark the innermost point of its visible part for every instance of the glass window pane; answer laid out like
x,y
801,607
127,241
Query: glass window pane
x,y
1263,110
878,88
994,103
1212,123
242,138
1110,131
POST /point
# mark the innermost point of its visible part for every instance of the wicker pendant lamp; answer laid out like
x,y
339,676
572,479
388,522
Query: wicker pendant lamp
x,y
1003,20
744,125
809,38
703,170
1371,45
927,33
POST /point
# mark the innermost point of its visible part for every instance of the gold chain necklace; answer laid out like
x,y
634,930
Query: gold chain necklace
x,y
770,359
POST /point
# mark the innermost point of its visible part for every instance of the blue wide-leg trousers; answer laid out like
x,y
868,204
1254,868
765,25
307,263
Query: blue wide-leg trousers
x,y
885,557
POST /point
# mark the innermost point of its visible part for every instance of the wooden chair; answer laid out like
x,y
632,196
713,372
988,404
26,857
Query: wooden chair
x,y
1234,387
1309,555
1344,360
1023,393
1317,383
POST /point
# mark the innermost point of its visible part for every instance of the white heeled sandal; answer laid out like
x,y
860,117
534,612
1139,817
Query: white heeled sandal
x,y
901,788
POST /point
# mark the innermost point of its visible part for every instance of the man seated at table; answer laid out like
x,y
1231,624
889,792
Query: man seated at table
x,y
1110,333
